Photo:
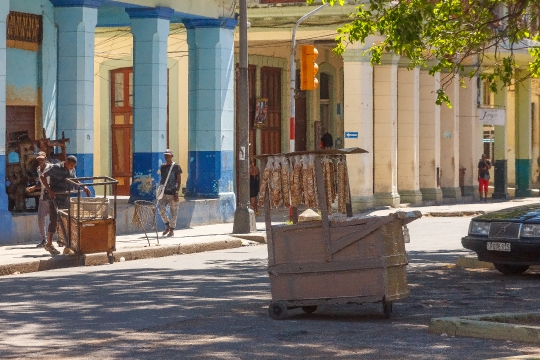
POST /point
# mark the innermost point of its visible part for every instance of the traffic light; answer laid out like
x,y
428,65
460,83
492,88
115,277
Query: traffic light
x,y
308,68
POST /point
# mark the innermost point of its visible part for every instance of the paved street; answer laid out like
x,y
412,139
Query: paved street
x,y
214,306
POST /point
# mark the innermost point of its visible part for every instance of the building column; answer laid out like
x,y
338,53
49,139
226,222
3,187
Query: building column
x,y
501,142
76,21
150,29
408,119
358,123
385,131
211,110
470,136
6,222
450,143
430,141
523,91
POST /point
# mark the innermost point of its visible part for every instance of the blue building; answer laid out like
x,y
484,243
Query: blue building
x,y
47,82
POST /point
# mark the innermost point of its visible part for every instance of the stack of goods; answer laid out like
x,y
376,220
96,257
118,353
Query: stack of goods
x,y
292,181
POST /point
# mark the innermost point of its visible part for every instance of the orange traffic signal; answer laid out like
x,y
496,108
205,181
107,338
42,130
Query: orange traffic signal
x,y
308,68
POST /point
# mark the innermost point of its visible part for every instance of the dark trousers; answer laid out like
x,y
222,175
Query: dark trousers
x,y
62,202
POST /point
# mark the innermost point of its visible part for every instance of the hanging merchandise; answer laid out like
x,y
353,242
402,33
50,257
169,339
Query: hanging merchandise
x,y
296,191
329,185
343,185
275,184
311,182
285,186
266,175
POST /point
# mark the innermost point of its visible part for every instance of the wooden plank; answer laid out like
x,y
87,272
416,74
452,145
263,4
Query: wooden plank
x,y
321,196
360,233
334,266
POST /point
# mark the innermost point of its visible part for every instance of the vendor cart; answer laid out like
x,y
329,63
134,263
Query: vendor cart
x,y
89,224
337,258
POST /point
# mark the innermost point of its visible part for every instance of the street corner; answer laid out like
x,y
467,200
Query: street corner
x,y
522,327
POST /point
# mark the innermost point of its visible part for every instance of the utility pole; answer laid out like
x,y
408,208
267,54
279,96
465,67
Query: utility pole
x,y
292,106
242,214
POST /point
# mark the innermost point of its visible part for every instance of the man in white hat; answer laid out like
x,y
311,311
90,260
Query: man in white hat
x,y
43,207
170,197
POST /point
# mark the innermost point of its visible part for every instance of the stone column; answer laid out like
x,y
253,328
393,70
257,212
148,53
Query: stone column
x,y
523,136
385,131
501,141
408,135
470,136
450,143
150,29
430,141
76,21
211,111
6,221
358,122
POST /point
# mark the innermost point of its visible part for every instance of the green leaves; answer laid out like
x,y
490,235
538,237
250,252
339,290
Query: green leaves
x,y
464,37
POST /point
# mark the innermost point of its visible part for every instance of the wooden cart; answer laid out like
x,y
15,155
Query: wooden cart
x,y
89,225
338,259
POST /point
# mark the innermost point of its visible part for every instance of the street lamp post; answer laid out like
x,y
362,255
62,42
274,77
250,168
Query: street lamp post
x,y
242,214
292,105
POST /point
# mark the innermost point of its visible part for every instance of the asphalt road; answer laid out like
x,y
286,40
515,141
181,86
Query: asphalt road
x,y
214,306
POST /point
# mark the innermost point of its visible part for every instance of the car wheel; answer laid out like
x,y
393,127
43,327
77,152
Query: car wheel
x,y
511,269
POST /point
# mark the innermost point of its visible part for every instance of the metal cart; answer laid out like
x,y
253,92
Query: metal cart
x,y
336,260
89,224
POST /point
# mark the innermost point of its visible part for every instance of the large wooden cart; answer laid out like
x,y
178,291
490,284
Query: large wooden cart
x,y
89,224
337,259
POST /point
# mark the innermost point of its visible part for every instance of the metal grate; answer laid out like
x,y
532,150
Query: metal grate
x,y
504,230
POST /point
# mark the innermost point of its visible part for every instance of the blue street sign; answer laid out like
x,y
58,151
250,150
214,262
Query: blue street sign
x,y
351,134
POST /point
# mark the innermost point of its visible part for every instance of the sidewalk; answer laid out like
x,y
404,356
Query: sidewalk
x,y
25,258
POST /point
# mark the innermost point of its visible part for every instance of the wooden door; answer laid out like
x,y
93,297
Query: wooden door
x,y
271,89
300,117
122,127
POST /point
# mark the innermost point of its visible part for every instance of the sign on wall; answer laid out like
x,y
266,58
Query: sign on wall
x,y
490,116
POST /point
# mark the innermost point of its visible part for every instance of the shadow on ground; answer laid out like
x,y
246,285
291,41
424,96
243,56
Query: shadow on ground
x,y
221,313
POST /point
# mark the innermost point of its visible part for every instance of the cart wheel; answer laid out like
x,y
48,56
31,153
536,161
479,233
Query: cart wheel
x,y
110,256
309,309
277,310
387,309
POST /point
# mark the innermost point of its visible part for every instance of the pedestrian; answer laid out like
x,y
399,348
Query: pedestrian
x,y
170,195
483,176
326,140
43,206
58,191
254,183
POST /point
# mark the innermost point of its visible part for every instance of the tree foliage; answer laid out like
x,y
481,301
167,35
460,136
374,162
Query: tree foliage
x,y
490,38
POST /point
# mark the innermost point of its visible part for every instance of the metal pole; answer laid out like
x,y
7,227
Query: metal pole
x,y
292,106
241,223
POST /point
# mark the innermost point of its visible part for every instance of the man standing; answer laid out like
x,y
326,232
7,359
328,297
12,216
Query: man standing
x,y
483,176
58,189
170,195
43,207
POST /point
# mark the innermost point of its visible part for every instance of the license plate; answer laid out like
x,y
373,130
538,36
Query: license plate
x,y
498,246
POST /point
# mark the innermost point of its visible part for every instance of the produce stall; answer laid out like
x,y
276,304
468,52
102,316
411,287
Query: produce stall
x,y
337,258
89,225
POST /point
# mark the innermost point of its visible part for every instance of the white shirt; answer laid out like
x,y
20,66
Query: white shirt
x,y
47,166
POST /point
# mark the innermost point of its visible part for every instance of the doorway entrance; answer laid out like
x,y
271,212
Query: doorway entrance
x,y
122,127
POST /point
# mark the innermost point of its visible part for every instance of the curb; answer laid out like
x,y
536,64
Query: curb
x,y
258,237
472,262
489,326
62,261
